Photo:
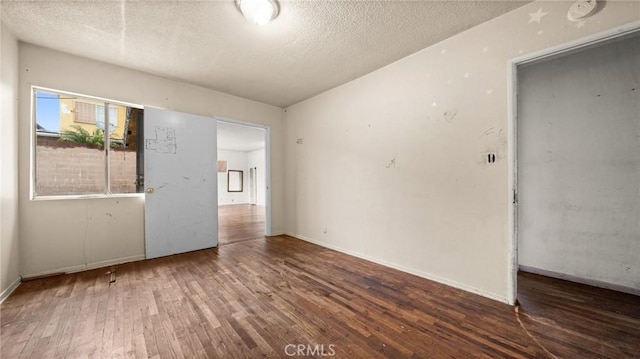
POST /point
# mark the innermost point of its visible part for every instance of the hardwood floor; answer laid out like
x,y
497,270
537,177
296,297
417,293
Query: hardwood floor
x,y
272,297
283,297
240,222
575,320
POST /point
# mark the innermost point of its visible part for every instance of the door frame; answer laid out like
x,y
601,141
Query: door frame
x,y
267,165
512,130
253,185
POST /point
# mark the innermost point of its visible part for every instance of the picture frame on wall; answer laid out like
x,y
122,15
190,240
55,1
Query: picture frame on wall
x,y
234,181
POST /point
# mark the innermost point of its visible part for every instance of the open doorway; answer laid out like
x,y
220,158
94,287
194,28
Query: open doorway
x,y
242,182
574,172
575,125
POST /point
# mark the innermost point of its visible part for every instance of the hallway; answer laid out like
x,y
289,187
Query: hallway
x,y
240,222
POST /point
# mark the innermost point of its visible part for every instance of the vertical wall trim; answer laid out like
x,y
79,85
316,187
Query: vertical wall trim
x,y
107,148
267,181
32,143
512,183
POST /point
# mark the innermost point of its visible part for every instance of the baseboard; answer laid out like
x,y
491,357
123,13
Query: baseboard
x,y
7,292
401,268
572,278
89,266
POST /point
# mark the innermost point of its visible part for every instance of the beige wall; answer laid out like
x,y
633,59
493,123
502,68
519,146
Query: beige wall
x,y
9,257
75,234
393,165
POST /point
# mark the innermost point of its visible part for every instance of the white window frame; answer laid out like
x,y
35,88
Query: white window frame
x,y
113,115
33,144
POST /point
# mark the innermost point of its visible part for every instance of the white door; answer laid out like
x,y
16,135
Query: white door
x,y
180,164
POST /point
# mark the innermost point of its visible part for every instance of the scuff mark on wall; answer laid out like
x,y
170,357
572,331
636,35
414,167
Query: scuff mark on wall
x,y
392,163
450,115
489,131
492,131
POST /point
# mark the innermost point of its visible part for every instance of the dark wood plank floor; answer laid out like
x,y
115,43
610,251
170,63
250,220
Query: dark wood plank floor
x,y
240,222
253,299
579,321
257,298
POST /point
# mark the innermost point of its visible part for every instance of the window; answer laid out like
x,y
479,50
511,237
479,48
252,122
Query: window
x,y
113,117
70,155
85,112
90,113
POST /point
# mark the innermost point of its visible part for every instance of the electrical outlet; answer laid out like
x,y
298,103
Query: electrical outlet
x,y
491,157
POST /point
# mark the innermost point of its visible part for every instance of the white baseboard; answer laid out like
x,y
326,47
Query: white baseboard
x,y
428,276
88,266
572,278
7,292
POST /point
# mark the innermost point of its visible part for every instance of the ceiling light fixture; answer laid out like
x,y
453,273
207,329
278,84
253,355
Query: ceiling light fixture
x,y
259,12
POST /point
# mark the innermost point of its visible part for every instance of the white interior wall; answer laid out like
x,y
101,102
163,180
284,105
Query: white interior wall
x,y
257,160
239,161
392,166
579,165
9,254
67,235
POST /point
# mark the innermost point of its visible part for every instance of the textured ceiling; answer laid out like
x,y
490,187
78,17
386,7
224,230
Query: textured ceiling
x,y
239,138
311,47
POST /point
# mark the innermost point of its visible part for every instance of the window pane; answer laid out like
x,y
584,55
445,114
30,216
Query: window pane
x,y
114,111
125,165
69,154
70,151
85,112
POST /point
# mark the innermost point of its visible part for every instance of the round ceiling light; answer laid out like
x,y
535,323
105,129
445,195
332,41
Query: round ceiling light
x,y
259,12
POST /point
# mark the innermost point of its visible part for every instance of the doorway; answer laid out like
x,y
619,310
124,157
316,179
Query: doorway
x,y
574,155
243,211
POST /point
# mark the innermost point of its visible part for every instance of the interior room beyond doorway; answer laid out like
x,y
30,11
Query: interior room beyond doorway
x,y
242,171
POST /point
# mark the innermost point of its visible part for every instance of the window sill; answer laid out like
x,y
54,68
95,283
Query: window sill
x,y
87,196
